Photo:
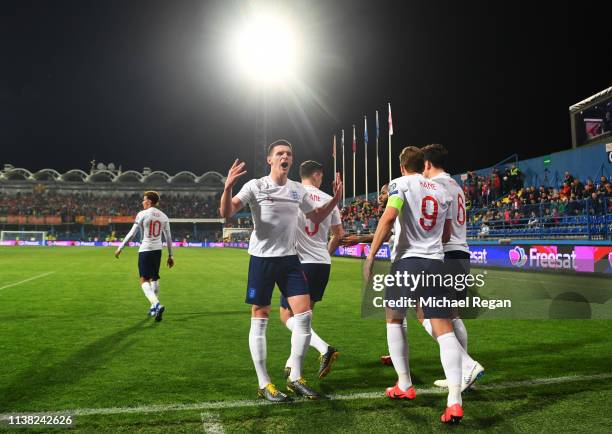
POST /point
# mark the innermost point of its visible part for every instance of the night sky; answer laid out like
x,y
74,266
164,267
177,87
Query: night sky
x,y
147,83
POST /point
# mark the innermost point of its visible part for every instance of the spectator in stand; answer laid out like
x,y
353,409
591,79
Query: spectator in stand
x,y
601,186
577,188
569,178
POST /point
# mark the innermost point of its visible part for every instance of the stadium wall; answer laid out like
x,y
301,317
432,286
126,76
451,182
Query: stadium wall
x,y
590,161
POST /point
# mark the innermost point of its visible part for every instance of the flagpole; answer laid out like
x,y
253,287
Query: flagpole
x,y
390,134
354,152
377,159
365,139
343,172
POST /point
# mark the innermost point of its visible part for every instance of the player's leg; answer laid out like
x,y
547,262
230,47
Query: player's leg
x,y
317,276
292,283
156,261
396,334
457,264
145,270
451,352
259,295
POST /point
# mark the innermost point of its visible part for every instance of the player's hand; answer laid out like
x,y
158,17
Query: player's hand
x,y
349,240
367,268
237,170
170,262
117,253
337,186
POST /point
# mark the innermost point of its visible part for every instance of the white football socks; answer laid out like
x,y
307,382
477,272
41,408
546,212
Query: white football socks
x,y
315,340
148,292
300,339
257,345
450,355
462,337
398,350
155,286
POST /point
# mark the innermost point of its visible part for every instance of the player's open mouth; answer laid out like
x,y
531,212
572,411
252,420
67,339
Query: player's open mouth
x,y
284,164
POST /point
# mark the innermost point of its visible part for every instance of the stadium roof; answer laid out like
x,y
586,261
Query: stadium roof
x,y
10,173
592,100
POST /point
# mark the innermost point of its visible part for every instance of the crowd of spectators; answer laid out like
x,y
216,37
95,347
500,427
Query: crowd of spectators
x,y
533,206
69,206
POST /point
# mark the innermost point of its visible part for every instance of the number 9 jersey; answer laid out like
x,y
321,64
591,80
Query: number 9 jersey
x,y
423,207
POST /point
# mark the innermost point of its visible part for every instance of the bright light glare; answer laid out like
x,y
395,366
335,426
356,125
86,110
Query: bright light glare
x,y
266,49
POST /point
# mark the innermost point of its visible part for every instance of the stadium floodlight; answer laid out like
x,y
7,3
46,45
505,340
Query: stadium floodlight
x,y
266,47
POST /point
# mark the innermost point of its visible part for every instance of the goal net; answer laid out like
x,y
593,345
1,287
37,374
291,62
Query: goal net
x,y
40,236
236,234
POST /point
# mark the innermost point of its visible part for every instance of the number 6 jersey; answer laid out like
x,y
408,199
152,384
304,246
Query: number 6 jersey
x,y
312,239
423,207
457,213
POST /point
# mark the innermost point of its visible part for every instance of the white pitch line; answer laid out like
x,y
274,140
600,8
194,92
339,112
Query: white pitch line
x,y
221,405
211,423
27,280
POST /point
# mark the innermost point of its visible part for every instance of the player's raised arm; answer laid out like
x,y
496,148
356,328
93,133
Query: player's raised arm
x,y
127,238
317,215
231,205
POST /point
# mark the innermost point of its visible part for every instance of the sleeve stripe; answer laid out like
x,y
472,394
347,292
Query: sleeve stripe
x,y
395,202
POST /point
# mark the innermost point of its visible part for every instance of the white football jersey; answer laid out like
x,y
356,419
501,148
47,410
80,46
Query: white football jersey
x,y
151,223
423,206
275,211
457,213
312,238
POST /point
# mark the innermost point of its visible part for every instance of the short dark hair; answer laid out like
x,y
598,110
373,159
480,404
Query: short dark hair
x,y
280,142
309,167
412,159
436,154
153,196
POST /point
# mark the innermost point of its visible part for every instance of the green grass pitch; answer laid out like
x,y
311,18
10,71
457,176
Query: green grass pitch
x,y
79,339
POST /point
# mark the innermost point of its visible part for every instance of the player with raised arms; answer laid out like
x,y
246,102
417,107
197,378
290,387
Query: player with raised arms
x,y
417,210
152,223
275,202
314,251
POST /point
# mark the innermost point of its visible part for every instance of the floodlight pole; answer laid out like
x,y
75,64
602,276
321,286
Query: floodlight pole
x,y
260,144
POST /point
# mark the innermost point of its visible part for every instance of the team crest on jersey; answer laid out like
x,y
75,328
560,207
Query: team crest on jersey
x,y
295,195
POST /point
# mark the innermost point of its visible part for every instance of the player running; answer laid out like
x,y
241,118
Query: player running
x,y
151,222
315,252
422,208
275,202
456,255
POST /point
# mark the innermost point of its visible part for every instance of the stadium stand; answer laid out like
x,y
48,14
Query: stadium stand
x,y
98,205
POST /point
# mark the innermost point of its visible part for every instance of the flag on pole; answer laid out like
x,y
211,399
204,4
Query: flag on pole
x,y
377,159
343,172
334,148
365,141
334,155
390,151
354,153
